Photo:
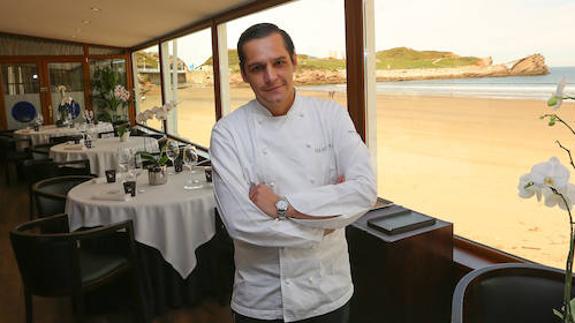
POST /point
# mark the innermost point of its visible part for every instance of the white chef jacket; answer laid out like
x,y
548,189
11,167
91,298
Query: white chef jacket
x,y
288,269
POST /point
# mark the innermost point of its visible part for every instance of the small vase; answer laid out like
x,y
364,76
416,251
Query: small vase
x,y
158,175
125,136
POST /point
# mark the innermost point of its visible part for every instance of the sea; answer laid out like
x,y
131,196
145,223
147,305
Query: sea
x,y
538,87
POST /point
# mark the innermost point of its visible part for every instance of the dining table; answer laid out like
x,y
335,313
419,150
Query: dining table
x,y
103,154
44,133
171,223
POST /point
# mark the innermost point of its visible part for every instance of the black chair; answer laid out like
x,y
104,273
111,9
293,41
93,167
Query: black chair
x,y
10,156
63,139
41,151
107,134
49,195
55,262
504,293
34,170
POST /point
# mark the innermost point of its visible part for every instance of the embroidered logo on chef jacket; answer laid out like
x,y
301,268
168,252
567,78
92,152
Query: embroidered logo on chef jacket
x,y
323,148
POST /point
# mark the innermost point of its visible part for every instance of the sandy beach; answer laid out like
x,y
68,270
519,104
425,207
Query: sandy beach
x,y
458,159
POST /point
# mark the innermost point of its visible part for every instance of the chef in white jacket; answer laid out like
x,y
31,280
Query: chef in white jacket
x,y
290,172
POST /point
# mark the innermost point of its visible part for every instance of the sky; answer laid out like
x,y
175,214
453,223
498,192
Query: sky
x,y
505,30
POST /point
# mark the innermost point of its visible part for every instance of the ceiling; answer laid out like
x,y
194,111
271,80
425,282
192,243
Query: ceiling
x,y
121,23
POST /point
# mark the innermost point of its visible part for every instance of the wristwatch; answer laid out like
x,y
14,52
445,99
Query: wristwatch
x,y
282,206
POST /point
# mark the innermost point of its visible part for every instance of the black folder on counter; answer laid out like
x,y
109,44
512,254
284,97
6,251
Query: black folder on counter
x,y
397,219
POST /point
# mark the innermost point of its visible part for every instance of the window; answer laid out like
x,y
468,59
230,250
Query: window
x,y
148,82
189,82
320,47
454,147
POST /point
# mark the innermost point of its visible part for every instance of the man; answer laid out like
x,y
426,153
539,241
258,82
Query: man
x,y
290,172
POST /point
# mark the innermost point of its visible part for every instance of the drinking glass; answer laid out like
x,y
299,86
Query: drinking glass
x,y
172,151
125,160
190,159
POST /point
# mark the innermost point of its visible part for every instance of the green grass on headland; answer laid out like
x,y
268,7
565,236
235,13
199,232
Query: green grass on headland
x,y
395,58
405,58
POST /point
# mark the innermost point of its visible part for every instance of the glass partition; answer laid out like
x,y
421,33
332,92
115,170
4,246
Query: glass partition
x,y
188,76
147,82
21,86
459,96
321,70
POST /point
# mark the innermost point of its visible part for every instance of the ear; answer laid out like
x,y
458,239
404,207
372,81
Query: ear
x,y
294,61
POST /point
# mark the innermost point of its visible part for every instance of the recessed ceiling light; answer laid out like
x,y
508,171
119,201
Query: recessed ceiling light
x,y
95,9
85,22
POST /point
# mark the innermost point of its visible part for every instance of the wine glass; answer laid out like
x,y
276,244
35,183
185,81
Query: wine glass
x,y
125,161
190,159
172,151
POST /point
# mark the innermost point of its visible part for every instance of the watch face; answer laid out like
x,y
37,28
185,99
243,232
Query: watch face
x,y
282,205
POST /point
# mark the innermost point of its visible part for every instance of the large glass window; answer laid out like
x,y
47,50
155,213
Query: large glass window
x,y
147,82
21,86
455,133
188,75
320,47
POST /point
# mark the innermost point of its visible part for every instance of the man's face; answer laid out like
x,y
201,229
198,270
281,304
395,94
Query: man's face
x,y
269,70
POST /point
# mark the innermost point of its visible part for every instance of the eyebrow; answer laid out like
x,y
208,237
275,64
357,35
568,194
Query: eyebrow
x,y
283,57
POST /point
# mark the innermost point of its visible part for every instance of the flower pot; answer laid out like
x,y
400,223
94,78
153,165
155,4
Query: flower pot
x,y
125,136
158,175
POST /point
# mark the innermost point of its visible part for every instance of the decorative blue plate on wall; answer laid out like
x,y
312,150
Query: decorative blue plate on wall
x,y
23,111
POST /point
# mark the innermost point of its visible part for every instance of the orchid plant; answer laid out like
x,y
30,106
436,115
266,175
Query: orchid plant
x,y
550,180
160,113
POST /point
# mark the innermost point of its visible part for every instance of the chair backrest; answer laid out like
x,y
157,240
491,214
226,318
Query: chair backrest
x,y
41,151
35,170
514,292
50,258
107,134
63,139
50,194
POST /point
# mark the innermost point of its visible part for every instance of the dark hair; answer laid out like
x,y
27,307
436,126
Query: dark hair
x,y
262,30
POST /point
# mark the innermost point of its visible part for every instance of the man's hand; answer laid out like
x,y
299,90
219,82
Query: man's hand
x,y
264,198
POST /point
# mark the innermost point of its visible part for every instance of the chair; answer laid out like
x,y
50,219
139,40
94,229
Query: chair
x,y
10,156
63,139
41,151
34,170
514,292
107,134
54,262
49,195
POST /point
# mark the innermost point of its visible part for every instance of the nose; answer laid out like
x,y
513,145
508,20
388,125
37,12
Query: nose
x,y
269,74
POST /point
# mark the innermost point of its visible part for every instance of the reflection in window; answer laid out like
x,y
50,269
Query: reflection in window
x,y
320,47
189,82
454,147
147,82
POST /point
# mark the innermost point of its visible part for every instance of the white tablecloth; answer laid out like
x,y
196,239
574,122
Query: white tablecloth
x,y
167,217
43,135
104,152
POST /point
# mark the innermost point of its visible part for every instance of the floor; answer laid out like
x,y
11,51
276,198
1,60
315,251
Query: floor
x,y
14,210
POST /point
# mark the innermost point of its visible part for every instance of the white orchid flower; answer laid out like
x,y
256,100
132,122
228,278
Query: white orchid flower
x,y
555,101
552,199
550,174
527,188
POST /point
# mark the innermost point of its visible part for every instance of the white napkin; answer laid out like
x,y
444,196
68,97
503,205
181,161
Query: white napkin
x,y
74,147
99,180
115,195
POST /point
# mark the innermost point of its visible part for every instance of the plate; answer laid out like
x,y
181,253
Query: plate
x,y
23,111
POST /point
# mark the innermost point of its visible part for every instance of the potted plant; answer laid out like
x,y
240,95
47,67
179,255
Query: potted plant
x,y
123,132
157,167
110,96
